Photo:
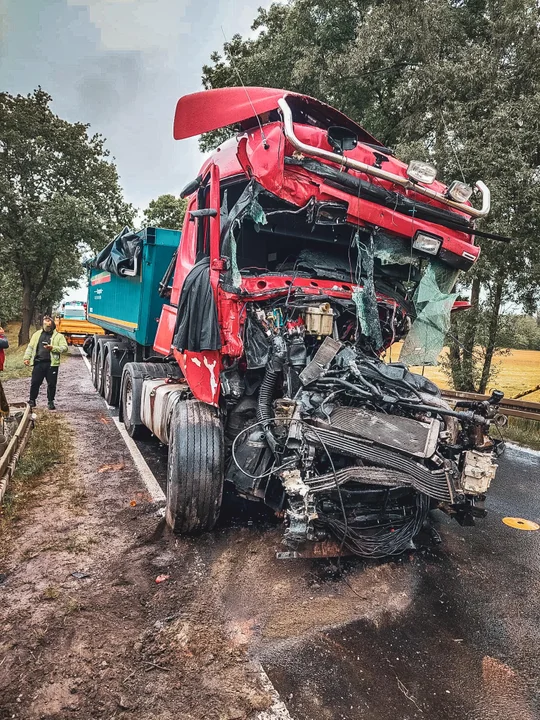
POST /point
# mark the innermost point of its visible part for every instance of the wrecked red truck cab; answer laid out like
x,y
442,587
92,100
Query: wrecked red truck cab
x,y
308,249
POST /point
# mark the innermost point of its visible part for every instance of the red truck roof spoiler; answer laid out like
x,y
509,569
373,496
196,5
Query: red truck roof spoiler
x,y
209,110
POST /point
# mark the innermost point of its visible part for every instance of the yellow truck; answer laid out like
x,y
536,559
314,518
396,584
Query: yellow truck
x,y
71,321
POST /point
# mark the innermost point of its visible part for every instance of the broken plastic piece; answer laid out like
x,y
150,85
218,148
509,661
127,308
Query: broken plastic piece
x,y
433,304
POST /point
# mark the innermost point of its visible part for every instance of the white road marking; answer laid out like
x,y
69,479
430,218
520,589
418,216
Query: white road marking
x,y
147,476
522,448
278,710
86,360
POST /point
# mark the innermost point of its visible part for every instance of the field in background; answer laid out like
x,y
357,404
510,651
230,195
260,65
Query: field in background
x,y
14,366
518,371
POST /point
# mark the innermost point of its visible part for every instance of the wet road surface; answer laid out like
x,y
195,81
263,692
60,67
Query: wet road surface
x,y
468,644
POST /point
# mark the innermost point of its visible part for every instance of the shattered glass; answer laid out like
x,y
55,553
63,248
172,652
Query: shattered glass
x,y
246,206
392,251
364,297
433,303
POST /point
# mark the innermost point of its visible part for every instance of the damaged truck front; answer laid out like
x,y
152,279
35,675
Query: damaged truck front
x,y
308,250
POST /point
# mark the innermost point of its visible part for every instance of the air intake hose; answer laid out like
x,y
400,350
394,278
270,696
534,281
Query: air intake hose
x,y
268,386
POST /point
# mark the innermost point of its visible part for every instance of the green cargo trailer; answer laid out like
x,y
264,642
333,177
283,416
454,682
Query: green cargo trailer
x,y
127,305
131,306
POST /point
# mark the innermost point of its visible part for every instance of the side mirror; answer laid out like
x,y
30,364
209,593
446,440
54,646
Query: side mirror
x,y
205,212
192,186
341,139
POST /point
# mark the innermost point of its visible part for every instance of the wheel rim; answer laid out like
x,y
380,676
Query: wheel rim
x,y
128,404
108,379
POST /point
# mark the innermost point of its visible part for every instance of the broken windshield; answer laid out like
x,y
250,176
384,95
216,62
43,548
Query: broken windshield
x,y
263,235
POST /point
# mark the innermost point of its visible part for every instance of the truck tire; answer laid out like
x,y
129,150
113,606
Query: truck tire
x,y
96,358
194,468
131,401
133,376
111,384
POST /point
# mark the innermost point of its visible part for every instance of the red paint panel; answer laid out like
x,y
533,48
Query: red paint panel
x,y
165,331
211,109
201,371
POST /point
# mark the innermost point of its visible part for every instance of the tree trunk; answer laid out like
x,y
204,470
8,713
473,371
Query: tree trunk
x,y
27,314
492,336
469,338
454,354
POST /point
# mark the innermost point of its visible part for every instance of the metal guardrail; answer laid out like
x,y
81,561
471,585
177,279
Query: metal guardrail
x,y
509,406
8,461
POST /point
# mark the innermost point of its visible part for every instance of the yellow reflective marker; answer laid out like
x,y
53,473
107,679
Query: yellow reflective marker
x,y
520,523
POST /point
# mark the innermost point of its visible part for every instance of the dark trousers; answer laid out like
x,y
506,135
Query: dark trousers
x,y
40,372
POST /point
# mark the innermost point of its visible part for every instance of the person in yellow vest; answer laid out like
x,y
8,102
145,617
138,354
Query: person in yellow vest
x,y
43,354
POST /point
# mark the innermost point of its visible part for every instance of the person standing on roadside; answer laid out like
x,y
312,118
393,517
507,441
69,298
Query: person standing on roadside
x,y
4,344
43,354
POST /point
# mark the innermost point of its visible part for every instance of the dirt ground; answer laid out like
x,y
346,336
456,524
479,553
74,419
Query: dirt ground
x,y
114,643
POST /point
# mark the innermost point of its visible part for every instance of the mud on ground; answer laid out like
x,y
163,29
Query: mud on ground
x,y
110,642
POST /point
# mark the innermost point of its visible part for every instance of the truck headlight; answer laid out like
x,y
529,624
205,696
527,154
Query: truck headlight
x,y
421,172
426,243
459,191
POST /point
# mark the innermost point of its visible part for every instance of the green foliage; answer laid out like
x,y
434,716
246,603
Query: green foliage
x,y
451,81
519,331
166,211
59,197
522,432
10,296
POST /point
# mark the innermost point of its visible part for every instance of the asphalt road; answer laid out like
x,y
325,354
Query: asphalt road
x,y
466,647
466,644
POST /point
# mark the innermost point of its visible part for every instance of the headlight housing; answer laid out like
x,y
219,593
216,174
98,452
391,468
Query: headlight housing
x,y
424,242
459,191
421,172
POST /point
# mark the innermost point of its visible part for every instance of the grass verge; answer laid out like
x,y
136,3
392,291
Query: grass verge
x,y
14,367
49,450
523,432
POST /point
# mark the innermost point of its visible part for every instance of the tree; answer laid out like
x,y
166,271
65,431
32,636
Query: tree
x,y
10,299
449,81
166,211
59,197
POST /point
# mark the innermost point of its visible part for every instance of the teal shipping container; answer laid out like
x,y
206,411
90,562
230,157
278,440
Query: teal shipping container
x,y
131,306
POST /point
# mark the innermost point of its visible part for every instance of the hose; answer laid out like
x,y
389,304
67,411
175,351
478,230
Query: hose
x,y
267,388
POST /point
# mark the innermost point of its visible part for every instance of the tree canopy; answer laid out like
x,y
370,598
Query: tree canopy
x,y
166,211
59,197
454,82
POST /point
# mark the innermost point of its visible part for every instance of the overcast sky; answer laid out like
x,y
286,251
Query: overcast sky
x,y
121,65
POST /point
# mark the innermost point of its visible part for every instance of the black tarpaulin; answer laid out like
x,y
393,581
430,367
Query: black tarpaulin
x,y
121,256
197,327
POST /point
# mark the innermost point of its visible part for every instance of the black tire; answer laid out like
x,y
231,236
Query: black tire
x,y
111,384
96,358
133,375
99,368
194,468
131,401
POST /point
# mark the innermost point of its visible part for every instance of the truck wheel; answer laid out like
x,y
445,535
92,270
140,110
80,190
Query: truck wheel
x,y
111,384
131,402
99,369
96,359
194,468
